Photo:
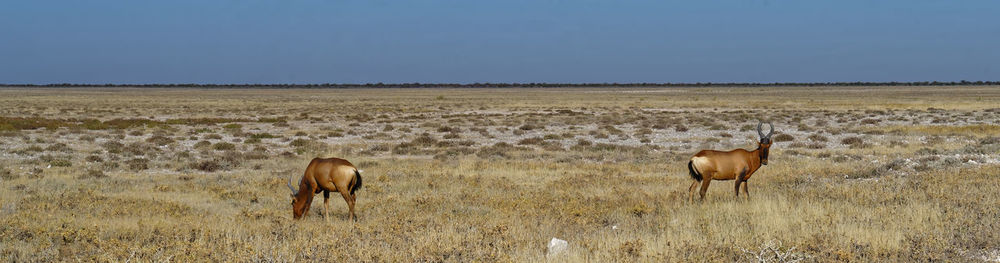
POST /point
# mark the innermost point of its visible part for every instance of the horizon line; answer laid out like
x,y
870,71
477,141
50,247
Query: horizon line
x,y
519,85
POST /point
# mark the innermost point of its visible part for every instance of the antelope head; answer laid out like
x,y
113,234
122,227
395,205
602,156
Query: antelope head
x,y
299,204
765,141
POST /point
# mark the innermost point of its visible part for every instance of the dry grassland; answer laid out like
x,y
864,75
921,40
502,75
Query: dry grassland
x,y
464,175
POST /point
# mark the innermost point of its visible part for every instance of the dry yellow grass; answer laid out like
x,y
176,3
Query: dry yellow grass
x,y
462,175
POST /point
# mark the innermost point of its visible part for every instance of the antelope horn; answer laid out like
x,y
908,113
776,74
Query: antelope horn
x,y
759,132
290,186
772,129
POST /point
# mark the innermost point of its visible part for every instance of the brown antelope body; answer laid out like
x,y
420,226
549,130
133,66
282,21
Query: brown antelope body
x,y
737,164
325,175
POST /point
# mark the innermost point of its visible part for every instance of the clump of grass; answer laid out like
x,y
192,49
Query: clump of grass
x,y
223,146
61,163
531,141
160,140
817,138
631,249
498,150
206,165
58,147
137,164
139,148
784,137
424,140
870,121
529,126
448,129
113,147
6,175
262,136
416,146
878,171
92,173
202,144
299,143
853,142
29,150
773,251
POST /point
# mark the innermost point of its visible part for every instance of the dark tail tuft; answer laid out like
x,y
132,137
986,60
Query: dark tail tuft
x,y
694,174
357,185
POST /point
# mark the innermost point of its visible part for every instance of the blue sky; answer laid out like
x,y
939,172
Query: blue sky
x,y
466,41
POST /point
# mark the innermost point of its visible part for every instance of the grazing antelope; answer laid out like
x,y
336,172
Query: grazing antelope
x,y
737,164
325,175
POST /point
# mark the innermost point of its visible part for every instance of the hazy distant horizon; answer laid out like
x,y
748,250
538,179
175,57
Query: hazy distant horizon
x,y
310,42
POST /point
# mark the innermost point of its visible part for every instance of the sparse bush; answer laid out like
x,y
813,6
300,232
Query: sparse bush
x,y
680,128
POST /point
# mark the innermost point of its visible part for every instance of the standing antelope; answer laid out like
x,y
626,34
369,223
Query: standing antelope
x,y
737,164
326,175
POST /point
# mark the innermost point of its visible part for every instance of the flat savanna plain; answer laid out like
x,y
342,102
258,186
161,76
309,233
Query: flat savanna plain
x,y
458,175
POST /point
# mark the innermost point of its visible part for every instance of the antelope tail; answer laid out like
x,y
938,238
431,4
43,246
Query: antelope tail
x,y
357,175
694,173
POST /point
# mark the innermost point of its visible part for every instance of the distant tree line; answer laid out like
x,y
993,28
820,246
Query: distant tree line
x,y
517,85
